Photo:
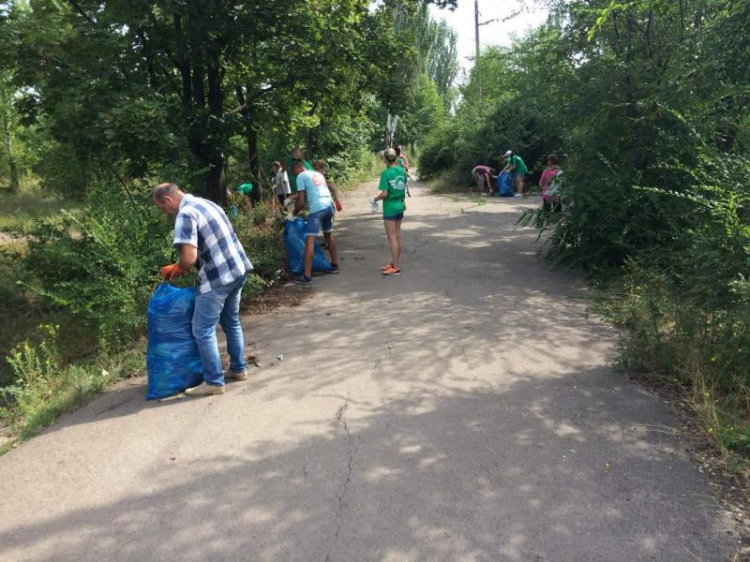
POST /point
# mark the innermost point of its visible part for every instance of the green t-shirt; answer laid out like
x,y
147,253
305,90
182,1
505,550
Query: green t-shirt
x,y
519,164
245,188
393,179
293,176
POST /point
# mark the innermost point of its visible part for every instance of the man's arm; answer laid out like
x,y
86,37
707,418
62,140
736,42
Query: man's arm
x,y
299,203
334,190
188,256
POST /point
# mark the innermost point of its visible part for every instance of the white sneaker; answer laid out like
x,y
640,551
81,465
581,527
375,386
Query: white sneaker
x,y
205,389
234,375
518,195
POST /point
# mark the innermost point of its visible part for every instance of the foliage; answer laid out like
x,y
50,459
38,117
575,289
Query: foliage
x,y
646,104
132,87
101,263
44,387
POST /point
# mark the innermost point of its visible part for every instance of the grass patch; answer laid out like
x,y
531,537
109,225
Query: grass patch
x,y
19,210
448,182
44,387
667,341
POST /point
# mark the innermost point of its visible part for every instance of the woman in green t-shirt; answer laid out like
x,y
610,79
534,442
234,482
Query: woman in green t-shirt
x,y
392,191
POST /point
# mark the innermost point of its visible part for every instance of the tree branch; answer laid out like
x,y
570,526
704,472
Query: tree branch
x,y
78,9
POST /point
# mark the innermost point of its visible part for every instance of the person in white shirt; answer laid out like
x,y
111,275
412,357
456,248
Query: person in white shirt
x,y
281,183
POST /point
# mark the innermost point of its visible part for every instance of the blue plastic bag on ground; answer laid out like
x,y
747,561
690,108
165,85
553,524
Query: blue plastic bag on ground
x,y
504,185
172,359
294,240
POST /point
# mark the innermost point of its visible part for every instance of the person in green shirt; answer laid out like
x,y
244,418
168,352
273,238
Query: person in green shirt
x,y
246,189
296,156
392,192
518,170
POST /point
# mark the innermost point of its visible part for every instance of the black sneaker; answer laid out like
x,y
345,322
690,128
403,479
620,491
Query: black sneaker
x,y
334,268
302,280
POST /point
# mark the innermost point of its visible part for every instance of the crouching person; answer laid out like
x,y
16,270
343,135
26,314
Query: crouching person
x,y
205,238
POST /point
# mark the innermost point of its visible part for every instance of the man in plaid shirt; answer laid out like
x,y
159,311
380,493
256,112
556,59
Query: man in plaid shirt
x,y
205,238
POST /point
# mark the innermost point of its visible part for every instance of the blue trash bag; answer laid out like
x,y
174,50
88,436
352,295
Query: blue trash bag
x,y
505,185
294,240
172,359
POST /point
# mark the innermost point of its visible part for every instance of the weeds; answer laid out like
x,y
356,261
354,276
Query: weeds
x,y
675,342
44,387
448,182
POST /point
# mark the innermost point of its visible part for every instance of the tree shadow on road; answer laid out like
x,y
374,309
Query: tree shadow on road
x,y
480,475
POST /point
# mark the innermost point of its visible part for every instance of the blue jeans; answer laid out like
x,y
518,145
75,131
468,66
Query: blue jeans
x,y
219,306
320,219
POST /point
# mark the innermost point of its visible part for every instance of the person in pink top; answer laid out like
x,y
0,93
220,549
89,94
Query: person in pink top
x,y
545,182
483,177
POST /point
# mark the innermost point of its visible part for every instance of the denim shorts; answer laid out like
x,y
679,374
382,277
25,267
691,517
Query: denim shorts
x,y
320,219
397,217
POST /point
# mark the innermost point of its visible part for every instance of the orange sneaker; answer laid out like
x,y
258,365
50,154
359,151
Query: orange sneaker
x,y
386,266
391,270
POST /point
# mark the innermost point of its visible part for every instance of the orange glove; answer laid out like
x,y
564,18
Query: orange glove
x,y
339,207
173,271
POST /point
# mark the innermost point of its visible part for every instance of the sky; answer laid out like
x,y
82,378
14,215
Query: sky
x,y
495,33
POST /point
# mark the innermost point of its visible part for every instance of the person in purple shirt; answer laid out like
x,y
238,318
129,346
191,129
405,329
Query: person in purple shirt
x,y
483,176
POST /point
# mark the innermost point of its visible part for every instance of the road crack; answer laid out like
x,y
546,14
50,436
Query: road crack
x,y
345,488
388,353
466,358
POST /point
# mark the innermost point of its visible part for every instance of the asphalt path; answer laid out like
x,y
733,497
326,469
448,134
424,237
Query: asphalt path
x,y
463,411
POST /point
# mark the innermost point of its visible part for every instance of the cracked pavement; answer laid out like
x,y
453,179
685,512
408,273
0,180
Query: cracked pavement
x,y
464,411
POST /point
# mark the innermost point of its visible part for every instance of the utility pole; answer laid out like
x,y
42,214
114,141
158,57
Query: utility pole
x,y
477,24
476,27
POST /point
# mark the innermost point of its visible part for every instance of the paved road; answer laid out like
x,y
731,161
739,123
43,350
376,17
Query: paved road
x,y
464,411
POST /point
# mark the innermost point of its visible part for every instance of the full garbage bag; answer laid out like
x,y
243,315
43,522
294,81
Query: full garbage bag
x,y
294,240
172,359
504,185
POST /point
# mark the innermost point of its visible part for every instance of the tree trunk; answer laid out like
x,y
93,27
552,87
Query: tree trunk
x,y
252,156
8,142
312,143
251,137
215,181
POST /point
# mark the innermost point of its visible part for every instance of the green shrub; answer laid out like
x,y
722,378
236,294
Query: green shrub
x,y
36,367
44,387
102,263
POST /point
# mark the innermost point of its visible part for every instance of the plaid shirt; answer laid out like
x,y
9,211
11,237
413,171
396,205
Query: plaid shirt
x,y
221,258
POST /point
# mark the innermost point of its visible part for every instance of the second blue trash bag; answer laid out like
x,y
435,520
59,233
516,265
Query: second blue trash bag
x,y
504,185
172,359
294,240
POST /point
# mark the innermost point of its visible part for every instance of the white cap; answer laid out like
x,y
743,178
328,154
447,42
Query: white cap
x,y
508,152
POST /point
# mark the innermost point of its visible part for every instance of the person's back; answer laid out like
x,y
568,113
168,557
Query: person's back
x,y
519,166
221,257
317,194
395,178
546,180
548,175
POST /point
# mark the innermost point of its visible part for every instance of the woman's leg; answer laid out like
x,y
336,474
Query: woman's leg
x,y
397,263
393,240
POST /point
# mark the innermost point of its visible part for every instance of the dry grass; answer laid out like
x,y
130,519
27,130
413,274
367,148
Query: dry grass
x,y
19,210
